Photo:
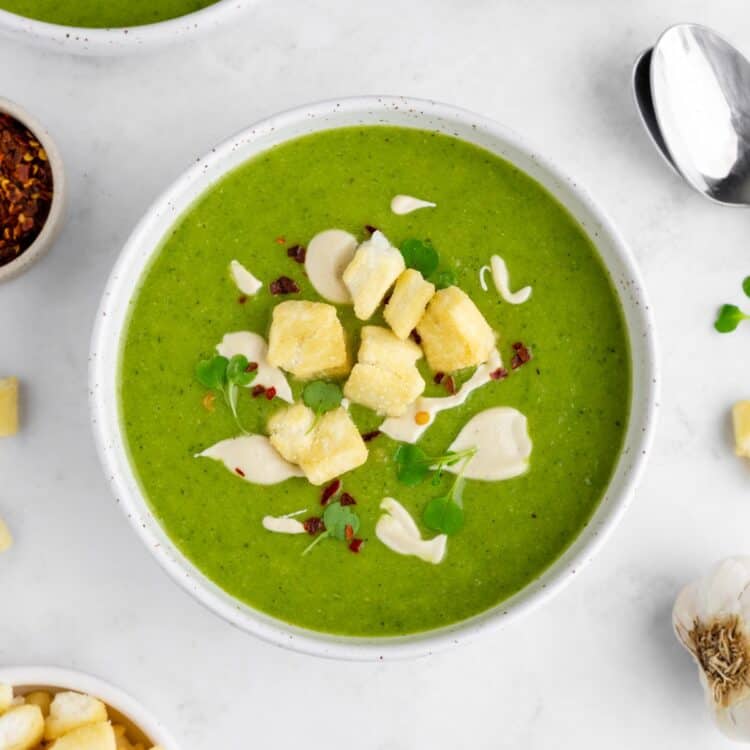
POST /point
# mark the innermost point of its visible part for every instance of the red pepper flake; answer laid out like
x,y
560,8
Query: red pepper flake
x,y
500,374
242,299
438,379
521,357
25,188
271,393
257,390
239,471
280,240
348,532
313,525
251,367
329,491
370,435
347,499
297,253
284,285
450,384
356,545
416,338
370,229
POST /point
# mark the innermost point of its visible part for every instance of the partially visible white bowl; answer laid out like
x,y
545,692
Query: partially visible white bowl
x,y
126,709
56,216
118,41
145,241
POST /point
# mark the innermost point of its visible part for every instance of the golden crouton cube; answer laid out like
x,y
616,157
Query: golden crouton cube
x,y
337,447
8,406
454,333
290,431
69,711
371,273
741,420
385,378
40,698
308,340
99,736
408,302
21,728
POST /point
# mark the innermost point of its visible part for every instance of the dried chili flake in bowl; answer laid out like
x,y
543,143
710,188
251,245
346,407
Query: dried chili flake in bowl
x,y
25,188
32,188
284,285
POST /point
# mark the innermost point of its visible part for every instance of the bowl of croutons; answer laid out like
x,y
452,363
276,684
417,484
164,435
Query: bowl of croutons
x,y
47,707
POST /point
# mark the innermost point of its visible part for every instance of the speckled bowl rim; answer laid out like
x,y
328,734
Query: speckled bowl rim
x,y
82,682
56,217
117,41
206,171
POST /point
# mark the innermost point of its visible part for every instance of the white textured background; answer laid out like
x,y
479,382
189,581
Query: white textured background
x,y
598,666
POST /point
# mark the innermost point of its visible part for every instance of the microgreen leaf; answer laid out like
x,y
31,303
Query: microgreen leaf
x,y
321,396
443,279
212,372
237,372
746,286
413,465
337,517
420,255
729,317
445,515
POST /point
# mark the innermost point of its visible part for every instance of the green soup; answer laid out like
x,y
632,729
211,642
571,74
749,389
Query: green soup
x,y
103,13
575,392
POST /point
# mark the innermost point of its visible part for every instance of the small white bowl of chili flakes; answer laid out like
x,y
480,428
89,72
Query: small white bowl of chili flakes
x,y
32,190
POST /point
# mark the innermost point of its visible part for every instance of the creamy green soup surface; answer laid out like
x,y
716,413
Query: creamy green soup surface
x,y
575,392
103,13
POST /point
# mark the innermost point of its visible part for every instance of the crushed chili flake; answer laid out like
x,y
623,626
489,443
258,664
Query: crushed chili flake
x,y
208,401
348,532
347,499
297,252
284,285
500,374
450,384
329,491
367,436
251,366
370,229
280,240
257,390
415,337
239,471
438,379
356,545
271,393
313,525
25,188
521,357
242,299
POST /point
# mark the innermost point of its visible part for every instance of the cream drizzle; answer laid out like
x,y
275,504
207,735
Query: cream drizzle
x,y
245,281
254,347
405,428
283,525
328,254
501,437
254,457
501,279
397,531
405,204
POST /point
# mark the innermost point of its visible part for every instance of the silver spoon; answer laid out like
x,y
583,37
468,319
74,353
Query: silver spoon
x,y
700,113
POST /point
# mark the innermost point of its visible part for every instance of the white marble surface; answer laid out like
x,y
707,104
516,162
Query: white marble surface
x,y
596,667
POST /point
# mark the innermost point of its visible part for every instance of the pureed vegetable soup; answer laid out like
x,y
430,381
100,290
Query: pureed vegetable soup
x,y
107,14
573,392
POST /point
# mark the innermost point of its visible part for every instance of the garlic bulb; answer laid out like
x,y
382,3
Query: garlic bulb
x,y
711,618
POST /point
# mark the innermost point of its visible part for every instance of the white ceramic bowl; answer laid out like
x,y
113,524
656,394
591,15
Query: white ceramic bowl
x,y
122,707
56,216
145,241
92,41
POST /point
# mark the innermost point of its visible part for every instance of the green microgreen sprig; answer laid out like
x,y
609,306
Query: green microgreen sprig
x,y
226,376
321,396
341,523
730,316
423,257
445,514
413,465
